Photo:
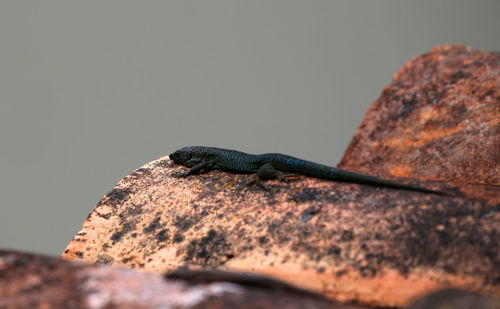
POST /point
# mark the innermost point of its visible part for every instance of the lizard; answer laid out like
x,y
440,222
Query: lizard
x,y
274,165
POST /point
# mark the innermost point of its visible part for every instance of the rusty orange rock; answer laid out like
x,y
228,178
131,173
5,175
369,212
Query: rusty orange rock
x,y
438,120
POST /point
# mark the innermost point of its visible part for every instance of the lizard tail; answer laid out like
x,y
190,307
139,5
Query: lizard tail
x,y
347,176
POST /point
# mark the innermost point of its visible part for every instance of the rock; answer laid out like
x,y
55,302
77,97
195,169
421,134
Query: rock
x,y
348,242
456,299
438,120
33,281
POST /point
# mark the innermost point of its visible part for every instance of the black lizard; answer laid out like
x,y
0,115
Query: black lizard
x,y
274,165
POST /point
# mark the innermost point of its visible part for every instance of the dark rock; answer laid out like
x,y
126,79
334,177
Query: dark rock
x,y
33,281
455,299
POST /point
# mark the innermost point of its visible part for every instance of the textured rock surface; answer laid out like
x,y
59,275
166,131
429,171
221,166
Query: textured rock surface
x,y
346,241
438,120
30,281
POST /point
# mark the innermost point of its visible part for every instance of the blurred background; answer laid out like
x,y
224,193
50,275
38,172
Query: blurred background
x,y
91,90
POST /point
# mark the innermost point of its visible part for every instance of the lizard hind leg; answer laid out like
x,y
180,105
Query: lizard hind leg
x,y
268,171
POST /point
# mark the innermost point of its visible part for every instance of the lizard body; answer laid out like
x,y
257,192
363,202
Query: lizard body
x,y
274,165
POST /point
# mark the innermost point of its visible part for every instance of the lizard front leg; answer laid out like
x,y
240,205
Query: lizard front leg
x,y
202,166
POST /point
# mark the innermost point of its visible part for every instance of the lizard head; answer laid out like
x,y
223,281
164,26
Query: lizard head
x,y
189,156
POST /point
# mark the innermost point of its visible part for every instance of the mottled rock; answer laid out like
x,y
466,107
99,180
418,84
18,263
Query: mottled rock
x,y
31,281
438,120
349,242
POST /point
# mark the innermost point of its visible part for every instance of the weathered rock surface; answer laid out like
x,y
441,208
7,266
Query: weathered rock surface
x,y
349,242
438,120
346,241
31,281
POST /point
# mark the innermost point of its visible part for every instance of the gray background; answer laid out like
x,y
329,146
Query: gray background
x,y
91,90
